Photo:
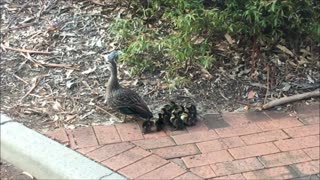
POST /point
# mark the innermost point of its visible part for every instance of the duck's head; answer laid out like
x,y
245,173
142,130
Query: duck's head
x,y
111,57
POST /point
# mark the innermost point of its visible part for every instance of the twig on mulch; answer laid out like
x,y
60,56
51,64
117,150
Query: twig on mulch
x,y
35,82
293,98
25,50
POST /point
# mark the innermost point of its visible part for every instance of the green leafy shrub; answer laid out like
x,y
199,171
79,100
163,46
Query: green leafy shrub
x,y
174,34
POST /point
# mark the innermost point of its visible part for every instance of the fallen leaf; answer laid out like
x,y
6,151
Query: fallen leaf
x,y
285,50
90,70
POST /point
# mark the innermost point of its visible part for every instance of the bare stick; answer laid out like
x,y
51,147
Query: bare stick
x,y
25,50
293,98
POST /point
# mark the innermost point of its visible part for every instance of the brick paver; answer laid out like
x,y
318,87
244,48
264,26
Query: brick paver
x,y
286,122
59,135
143,166
264,137
209,146
238,131
155,143
230,177
251,145
303,130
188,175
233,142
203,171
314,152
308,168
272,173
106,134
195,137
108,151
237,166
253,150
172,170
284,158
85,137
207,158
298,143
177,151
129,131
126,158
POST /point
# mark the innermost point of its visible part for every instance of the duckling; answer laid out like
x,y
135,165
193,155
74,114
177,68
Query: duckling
x,y
186,119
175,119
160,122
192,112
147,126
176,122
165,115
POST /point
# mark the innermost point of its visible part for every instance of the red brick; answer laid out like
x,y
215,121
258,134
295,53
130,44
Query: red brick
x,y
279,124
237,131
154,135
168,171
314,152
264,137
59,135
199,126
235,119
177,151
233,142
253,150
298,143
179,162
72,142
206,159
142,166
172,132
129,131
87,149
203,171
237,166
308,168
303,131
188,175
126,158
109,150
309,118
85,137
209,146
284,158
155,143
106,134
230,177
195,137
272,173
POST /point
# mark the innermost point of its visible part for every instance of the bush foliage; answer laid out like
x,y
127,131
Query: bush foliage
x,y
173,34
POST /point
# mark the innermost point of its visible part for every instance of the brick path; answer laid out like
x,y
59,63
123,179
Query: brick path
x,y
253,145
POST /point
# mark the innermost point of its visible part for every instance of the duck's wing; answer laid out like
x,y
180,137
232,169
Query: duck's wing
x,y
129,102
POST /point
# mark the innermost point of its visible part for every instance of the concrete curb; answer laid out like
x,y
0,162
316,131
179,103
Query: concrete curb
x,y
45,158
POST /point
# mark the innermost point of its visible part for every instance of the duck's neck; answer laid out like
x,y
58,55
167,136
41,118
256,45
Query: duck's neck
x,y
113,80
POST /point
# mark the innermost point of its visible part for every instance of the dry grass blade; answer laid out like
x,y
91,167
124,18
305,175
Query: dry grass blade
x,y
25,50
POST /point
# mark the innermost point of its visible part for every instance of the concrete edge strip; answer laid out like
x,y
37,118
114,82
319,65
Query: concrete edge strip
x,y
45,158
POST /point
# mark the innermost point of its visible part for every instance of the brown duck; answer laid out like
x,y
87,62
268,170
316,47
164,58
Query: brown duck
x,y
124,100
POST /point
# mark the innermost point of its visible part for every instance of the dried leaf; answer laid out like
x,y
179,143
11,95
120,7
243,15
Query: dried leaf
x,y
57,106
229,39
90,70
285,50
